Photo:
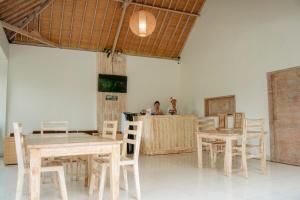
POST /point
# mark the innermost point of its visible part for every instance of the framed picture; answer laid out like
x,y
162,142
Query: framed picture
x,y
216,105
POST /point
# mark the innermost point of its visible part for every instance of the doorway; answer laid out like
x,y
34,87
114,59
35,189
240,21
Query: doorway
x,y
284,114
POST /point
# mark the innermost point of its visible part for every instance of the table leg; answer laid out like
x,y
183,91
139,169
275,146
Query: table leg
x,y
263,160
115,172
199,151
35,173
228,157
88,171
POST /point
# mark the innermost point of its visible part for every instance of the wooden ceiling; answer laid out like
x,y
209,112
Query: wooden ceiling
x,y
98,25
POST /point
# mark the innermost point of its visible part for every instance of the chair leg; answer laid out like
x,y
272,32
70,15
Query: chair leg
x,y
125,178
137,181
78,170
54,180
244,161
20,183
62,184
102,182
92,181
263,161
211,152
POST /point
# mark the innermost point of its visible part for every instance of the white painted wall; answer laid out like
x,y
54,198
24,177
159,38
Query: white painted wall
x,y
233,45
51,84
151,79
3,84
55,84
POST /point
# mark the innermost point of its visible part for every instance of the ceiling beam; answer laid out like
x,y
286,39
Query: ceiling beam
x,y
125,5
37,11
27,34
161,8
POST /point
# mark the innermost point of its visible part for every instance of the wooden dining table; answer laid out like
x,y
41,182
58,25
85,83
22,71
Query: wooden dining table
x,y
57,145
227,135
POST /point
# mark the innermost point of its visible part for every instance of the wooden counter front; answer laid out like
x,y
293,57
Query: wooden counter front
x,y
166,134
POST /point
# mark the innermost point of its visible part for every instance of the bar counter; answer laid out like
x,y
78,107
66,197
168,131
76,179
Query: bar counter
x,y
166,134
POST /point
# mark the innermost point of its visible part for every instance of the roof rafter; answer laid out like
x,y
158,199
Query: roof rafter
x,y
160,8
28,34
37,11
125,5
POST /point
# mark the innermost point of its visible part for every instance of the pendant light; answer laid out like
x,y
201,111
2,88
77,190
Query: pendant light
x,y
142,23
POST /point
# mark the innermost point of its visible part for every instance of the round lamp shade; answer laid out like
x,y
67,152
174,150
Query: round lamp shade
x,y
142,23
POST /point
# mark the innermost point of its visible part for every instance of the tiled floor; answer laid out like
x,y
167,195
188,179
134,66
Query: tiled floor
x,y
175,177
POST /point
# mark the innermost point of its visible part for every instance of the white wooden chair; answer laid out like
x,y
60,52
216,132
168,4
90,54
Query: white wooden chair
x,y
126,162
110,129
63,127
23,167
214,146
55,126
253,129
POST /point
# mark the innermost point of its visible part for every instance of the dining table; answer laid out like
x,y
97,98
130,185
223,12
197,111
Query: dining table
x,y
75,144
228,136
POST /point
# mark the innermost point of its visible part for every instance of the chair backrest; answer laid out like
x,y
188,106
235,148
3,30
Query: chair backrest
x,y
205,124
19,143
223,120
110,129
137,127
252,125
54,126
238,119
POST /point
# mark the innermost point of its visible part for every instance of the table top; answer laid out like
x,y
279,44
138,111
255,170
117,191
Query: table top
x,y
66,140
225,133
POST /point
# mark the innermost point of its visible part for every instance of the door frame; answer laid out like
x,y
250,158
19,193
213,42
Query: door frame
x,y
271,111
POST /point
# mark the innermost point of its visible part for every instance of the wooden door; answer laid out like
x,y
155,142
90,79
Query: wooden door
x,y
284,111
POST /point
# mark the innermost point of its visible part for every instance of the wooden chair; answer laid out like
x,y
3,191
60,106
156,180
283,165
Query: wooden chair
x,y
238,120
63,127
126,162
214,146
253,129
223,121
23,166
110,129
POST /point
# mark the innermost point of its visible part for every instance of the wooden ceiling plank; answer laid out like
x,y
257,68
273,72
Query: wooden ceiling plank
x,y
61,21
111,24
36,13
11,6
21,13
125,5
27,34
82,22
176,28
50,21
160,8
165,30
102,25
127,32
157,16
160,28
182,31
202,5
93,23
71,24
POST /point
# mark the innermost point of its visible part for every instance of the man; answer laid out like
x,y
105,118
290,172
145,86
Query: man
x,y
172,109
157,110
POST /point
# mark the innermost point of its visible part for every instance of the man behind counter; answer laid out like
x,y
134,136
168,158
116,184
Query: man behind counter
x,y
157,110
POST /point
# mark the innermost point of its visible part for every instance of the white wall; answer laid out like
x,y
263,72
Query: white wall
x,y
55,84
3,83
51,84
232,47
151,79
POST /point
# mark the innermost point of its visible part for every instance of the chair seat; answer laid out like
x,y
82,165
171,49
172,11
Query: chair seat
x,y
105,160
